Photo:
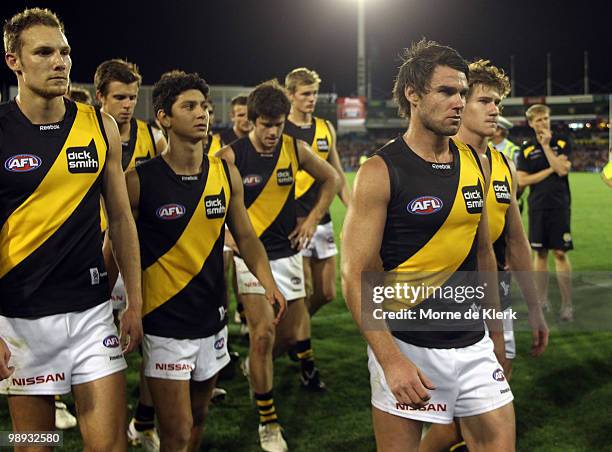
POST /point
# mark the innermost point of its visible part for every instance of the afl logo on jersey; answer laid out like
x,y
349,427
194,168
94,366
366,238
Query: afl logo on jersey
x,y
22,163
170,212
425,205
252,180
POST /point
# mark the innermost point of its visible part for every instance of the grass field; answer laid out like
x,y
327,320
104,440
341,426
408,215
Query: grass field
x,y
562,399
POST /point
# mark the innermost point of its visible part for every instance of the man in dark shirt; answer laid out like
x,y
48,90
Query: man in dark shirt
x,y
543,165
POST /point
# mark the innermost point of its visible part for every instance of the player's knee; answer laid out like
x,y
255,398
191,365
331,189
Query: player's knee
x,y
542,254
560,255
262,338
329,293
175,435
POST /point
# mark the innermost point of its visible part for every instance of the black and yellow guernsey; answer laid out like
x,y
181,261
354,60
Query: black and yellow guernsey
x,y
318,135
218,140
181,224
499,198
432,217
50,244
269,194
140,147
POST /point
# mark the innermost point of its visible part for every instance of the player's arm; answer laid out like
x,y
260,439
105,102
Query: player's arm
x,y
361,239
605,180
122,233
518,255
249,245
334,160
524,178
324,173
560,164
487,268
5,356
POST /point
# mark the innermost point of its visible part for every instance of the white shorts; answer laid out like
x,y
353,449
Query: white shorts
x,y
509,335
118,296
469,381
52,353
185,359
322,245
288,273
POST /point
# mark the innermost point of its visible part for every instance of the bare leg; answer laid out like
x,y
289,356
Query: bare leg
x,y
31,414
395,433
201,392
324,283
564,276
540,267
173,407
101,410
494,430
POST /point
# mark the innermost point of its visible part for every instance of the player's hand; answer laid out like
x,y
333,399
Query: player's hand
x,y
275,297
539,331
408,383
130,330
5,356
302,234
544,136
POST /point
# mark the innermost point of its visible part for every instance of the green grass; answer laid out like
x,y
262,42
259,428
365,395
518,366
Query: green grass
x,y
562,399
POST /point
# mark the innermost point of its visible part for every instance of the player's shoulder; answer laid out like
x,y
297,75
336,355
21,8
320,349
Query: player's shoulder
x,y
560,140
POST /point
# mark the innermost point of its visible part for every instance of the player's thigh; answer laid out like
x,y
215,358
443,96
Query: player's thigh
x,y
395,433
308,278
493,430
172,401
201,392
259,312
32,412
296,315
324,277
101,406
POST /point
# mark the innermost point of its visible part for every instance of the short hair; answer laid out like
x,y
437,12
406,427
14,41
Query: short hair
x,y
79,94
536,109
239,100
115,70
268,99
171,85
20,22
482,72
301,76
418,65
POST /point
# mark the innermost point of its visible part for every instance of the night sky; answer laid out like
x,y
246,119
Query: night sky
x,y
234,42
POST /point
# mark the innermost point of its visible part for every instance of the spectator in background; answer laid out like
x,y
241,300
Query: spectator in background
x,y
543,165
79,94
500,139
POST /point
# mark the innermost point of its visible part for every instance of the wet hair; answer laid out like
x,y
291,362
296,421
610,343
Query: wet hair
x,y
482,72
79,94
269,100
418,65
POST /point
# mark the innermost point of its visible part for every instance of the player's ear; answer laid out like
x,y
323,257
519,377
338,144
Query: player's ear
x,y
163,118
411,95
13,62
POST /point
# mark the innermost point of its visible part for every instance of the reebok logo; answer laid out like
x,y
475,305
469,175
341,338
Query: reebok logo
x,y
49,127
502,191
83,159
473,197
284,177
215,205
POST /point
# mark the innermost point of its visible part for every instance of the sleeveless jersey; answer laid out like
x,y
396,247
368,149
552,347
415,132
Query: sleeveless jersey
x,y
269,195
318,135
221,139
181,225
50,185
139,148
432,217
